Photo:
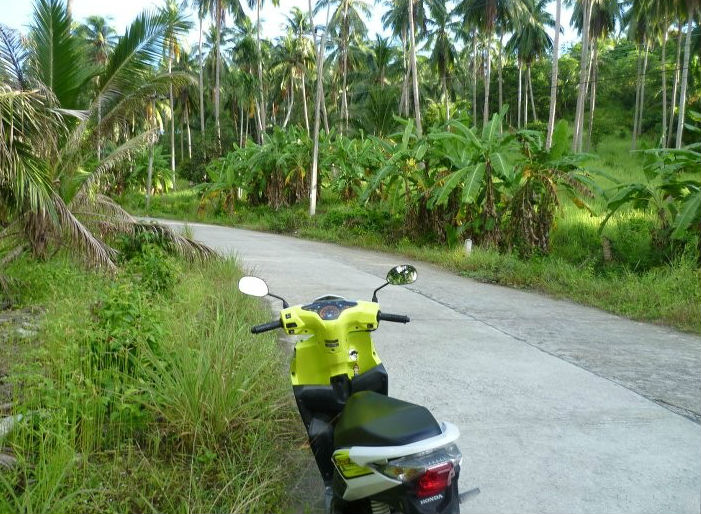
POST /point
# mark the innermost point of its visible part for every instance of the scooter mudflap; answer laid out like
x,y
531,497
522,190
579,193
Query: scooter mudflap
x,y
462,497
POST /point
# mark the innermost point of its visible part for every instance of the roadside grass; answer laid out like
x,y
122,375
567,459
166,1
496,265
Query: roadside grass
x,y
147,393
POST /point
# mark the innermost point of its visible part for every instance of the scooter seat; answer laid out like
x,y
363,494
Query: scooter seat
x,y
372,419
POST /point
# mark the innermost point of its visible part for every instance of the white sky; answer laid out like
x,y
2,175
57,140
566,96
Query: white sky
x,y
18,14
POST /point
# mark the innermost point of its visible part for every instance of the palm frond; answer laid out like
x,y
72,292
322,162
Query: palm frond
x,y
184,246
96,252
109,218
12,56
127,149
56,52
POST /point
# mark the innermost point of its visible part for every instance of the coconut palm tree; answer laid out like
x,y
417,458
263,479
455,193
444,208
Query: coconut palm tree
x,y
100,38
261,108
692,7
59,186
396,18
553,78
302,52
346,23
218,10
603,18
382,55
440,37
583,75
176,26
639,22
245,54
529,42
185,101
488,16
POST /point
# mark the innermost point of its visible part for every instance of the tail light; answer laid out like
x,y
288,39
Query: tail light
x,y
431,471
435,480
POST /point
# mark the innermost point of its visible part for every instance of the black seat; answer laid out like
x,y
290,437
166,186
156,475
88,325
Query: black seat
x,y
372,419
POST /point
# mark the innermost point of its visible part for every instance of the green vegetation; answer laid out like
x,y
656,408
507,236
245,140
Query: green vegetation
x,y
145,391
627,263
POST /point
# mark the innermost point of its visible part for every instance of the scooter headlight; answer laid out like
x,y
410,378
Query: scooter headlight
x,y
413,467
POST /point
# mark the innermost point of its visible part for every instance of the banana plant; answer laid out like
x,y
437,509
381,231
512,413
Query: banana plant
x,y
478,170
542,177
349,162
671,189
404,173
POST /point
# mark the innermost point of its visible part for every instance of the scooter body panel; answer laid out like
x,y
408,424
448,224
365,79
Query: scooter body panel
x,y
340,346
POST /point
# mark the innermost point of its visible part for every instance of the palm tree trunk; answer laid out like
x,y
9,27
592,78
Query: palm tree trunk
x,y
685,79
592,93
520,82
99,123
677,69
664,84
323,103
444,82
290,104
182,141
642,90
149,176
414,73
241,125
344,64
317,108
501,82
189,135
259,136
216,75
261,115
304,99
404,99
487,79
530,85
204,151
583,69
553,78
172,113
525,101
637,98
247,125
473,77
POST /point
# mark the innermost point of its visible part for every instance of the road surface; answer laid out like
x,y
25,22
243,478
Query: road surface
x,y
562,408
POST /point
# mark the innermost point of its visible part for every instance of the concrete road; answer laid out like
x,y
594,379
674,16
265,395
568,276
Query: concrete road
x,y
562,408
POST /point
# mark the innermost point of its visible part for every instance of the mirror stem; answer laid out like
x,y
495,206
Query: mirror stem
x,y
374,294
285,305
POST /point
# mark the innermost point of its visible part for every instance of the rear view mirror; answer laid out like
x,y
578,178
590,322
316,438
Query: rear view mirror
x,y
402,275
253,286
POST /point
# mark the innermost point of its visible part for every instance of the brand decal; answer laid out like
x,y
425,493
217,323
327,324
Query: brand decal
x,y
431,499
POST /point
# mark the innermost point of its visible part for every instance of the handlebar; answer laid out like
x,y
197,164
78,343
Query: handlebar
x,y
266,327
381,316
395,318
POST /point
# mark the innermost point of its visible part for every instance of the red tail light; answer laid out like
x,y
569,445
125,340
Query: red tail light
x,y
435,480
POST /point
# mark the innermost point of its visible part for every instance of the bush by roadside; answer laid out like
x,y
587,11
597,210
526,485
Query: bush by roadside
x,y
146,392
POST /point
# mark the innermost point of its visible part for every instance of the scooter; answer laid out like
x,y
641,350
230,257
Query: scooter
x,y
376,454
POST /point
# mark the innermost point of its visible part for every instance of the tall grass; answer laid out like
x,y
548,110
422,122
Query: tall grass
x,y
144,398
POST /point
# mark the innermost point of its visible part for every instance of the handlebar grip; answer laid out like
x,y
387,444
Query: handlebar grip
x,y
266,327
395,318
